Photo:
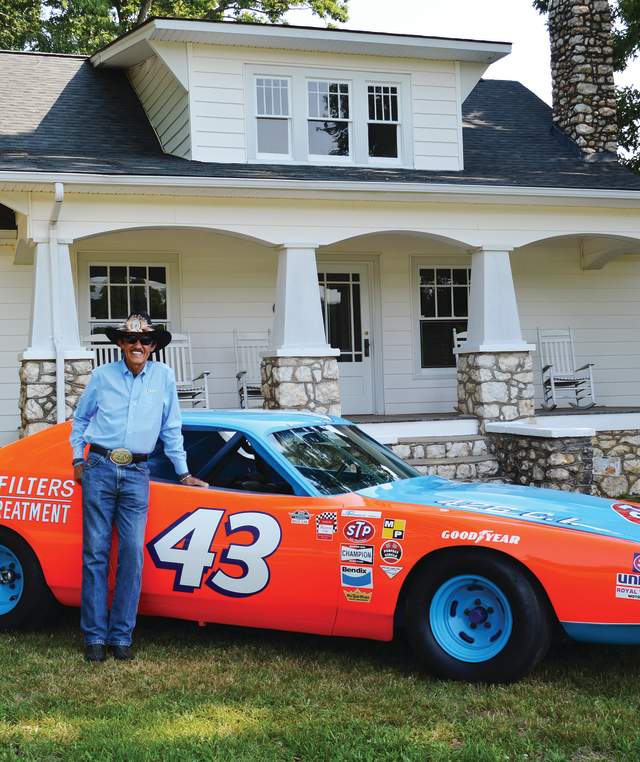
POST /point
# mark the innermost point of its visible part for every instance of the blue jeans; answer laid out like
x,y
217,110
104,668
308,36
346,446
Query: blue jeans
x,y
112,495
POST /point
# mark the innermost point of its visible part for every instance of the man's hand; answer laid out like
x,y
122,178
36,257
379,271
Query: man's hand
x,y
191,481
77,472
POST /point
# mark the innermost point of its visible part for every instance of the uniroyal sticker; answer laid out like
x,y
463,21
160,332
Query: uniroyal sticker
x,y
326,525
300,517
628,586
628,512
394,529
391,571
357,554
636,563
358,596
361,514
483,535
356,576
359,530
391,551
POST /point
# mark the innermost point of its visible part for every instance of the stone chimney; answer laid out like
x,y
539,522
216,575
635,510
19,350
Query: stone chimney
x,y
584,99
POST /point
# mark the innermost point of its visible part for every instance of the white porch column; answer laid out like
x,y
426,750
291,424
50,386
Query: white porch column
x,y
495,378
54,334
300,370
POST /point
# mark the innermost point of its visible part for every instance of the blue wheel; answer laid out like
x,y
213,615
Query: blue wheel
x,y
25,599
11,580
477,615
470,618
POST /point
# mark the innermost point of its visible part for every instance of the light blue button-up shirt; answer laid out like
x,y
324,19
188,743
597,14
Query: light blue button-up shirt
x,y
118,409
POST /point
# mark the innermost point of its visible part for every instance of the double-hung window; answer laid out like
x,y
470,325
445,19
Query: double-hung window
x,y
384,121
273,113
329,123
444,300
115,291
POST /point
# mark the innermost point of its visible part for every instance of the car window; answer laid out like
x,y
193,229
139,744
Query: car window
x,y
338,459
200,446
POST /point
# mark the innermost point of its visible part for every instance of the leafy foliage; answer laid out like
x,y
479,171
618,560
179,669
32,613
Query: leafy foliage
x,y
626,46
83,26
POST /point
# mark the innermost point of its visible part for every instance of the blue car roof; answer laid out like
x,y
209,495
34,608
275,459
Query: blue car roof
x,y
259,422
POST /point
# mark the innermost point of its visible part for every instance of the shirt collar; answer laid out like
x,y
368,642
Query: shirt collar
x,y
125,370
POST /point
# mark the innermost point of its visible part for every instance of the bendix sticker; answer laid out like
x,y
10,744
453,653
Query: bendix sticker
x,y
391,551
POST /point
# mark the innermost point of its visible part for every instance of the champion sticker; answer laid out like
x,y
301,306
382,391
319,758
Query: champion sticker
x,y
357,554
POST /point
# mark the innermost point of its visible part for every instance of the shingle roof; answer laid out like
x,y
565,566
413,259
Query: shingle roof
x,y
59,114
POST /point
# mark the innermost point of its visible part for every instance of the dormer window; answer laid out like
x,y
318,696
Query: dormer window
x,y
383,121
329,123
273,127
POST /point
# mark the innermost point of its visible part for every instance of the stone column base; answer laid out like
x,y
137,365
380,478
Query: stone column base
x,y
38,392
301,383
495,386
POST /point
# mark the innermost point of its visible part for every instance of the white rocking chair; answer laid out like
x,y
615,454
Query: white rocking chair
x,y
559,372
177,355
249,348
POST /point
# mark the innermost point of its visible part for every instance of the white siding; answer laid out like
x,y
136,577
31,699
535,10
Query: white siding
x,y
166,104
16,283
219,101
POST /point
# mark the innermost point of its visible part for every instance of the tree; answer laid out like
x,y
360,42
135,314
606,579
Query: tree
x,y
626,46
83,26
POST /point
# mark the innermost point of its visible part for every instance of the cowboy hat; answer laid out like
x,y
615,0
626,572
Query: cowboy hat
x,y
138,322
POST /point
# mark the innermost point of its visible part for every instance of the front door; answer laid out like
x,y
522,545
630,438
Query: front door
x,y
344,291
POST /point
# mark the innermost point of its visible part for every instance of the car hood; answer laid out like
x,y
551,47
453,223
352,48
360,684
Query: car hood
x,y
568,510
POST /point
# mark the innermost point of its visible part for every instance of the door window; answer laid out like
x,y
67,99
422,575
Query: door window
x,y
340,297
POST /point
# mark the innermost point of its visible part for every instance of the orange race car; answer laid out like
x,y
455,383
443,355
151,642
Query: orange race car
x,y
310,525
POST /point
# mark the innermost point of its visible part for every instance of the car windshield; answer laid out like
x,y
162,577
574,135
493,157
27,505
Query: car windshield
x,y
339,459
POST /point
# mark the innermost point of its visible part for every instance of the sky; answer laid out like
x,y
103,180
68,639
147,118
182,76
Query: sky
x,y
513,21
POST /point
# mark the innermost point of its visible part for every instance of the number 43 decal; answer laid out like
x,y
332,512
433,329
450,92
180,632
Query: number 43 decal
x,y
185,548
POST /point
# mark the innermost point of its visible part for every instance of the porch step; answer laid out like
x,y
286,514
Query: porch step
x,y
438,439
446,461
465,457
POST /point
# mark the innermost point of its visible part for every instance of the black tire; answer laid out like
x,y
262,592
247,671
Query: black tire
x,y
37,605
531,620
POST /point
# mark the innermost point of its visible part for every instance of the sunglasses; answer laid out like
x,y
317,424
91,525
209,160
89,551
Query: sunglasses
x,y
134,338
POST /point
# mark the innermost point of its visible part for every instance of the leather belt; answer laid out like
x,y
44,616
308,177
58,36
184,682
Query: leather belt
x,y
119,455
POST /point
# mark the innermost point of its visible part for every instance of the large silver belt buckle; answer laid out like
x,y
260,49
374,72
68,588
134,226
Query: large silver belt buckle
x,y
121,456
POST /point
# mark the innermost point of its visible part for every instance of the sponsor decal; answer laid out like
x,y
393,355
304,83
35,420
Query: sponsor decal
x,y
394,529
636,563
32,498
300,517
628,512
357,554
361,514
628,586
506,510
326,525
391,551
483,535
359,529
356,576
358,596
391,571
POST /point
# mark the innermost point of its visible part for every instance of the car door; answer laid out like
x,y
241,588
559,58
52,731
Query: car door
x,y
231,555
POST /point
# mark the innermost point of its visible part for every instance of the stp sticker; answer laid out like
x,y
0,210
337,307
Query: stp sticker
x,y
636,563
357,554
391,551
391,571
356,576
359,530
326,525
628,512
394,529
358,596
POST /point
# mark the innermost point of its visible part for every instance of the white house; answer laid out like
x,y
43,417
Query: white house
x,y
352,196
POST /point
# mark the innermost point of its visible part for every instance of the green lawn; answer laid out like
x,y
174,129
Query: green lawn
x,y
223,693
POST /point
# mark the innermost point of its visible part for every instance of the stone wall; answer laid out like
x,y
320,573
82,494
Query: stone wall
x,y
38,391
563,463
495,386
301,383
584,101
616,463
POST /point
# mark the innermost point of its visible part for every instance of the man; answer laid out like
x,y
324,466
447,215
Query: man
x,y
125,408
